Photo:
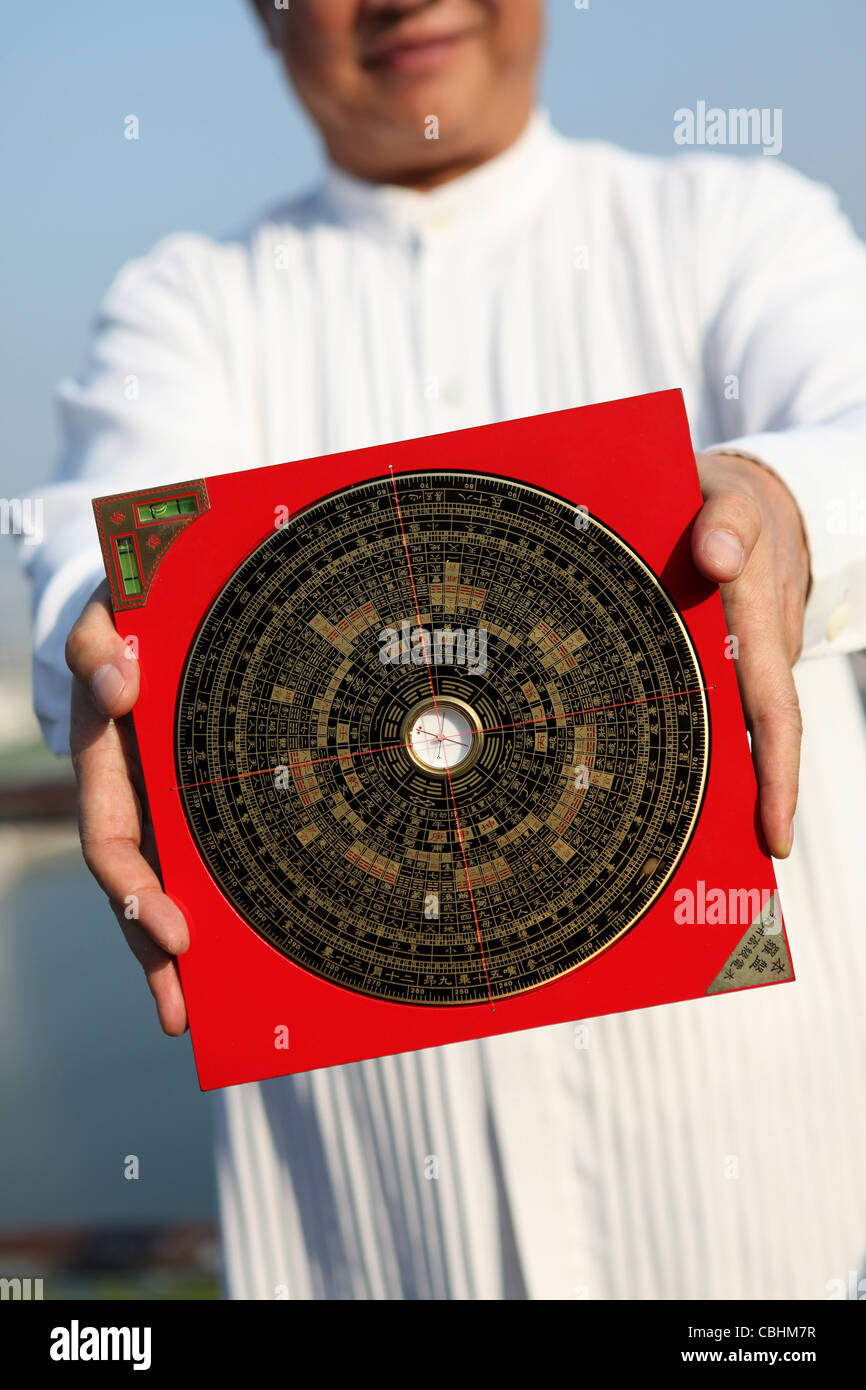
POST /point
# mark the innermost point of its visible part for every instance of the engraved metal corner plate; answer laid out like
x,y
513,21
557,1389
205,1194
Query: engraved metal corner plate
x,y
761,958
119,520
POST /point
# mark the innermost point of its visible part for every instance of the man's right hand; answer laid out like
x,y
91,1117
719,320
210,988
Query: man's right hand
x,y
115,830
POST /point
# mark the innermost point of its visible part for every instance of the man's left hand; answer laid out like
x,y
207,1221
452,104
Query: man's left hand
x,y
748,538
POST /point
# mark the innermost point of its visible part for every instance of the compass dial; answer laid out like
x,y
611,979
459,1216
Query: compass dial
x,y
442,738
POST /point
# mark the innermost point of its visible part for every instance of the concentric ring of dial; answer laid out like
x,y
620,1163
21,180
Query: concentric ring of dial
x,y
340,848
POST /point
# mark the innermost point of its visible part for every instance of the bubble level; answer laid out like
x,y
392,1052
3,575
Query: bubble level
x,y
164,511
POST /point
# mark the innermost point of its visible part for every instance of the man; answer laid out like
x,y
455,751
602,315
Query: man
x,y
463,263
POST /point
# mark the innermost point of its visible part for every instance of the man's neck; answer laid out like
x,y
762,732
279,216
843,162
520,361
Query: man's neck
x,y
445,165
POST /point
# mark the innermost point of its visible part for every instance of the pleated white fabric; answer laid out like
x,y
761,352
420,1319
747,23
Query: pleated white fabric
x,y
712,1149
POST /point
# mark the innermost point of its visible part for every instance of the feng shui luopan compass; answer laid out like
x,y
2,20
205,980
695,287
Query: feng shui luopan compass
x,y
428,743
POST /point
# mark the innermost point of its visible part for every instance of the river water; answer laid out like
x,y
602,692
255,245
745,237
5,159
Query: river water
x,y
87,1078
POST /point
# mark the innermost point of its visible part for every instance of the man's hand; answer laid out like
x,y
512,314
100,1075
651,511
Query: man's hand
x,y
748,538
116,836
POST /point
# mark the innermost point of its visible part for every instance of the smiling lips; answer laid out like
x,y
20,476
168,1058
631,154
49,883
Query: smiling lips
x,y
415,54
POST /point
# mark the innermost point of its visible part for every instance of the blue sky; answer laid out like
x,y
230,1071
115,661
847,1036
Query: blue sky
x,y
221,136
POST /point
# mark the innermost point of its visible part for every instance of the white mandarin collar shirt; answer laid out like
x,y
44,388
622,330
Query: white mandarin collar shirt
x,y
700,1150
559,273
489,202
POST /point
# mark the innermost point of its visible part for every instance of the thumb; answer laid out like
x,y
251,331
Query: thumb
x,y
724,535
97,655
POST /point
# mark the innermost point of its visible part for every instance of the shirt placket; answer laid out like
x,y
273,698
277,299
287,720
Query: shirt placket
x,y
444,377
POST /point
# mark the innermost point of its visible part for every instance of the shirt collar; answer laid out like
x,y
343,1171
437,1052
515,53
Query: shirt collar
x,y
492,194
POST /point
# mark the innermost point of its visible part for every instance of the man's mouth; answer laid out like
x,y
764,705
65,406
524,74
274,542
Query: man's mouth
x,y
414,53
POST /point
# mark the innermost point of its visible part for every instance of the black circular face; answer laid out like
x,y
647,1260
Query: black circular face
x,y
456,809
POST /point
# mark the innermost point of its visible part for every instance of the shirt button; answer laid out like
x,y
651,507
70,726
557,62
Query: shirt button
x,y
453,393
838,620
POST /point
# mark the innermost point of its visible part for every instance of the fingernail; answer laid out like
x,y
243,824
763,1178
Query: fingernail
x,y
723,549
106,685
790,837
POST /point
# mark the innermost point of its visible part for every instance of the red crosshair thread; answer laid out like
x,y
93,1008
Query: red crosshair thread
x,y
441,738
484,729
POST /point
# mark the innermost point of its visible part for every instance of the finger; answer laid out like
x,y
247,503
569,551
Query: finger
x,y
110,828
162,977
97,655
725,533
772,713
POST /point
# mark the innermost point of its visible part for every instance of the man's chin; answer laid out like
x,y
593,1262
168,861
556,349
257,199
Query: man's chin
x,y
431,111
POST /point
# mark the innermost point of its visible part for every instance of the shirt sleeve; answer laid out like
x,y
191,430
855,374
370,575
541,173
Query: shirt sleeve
x,y
151,406
787,346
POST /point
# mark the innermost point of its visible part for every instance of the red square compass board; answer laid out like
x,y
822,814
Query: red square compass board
x,y
442,739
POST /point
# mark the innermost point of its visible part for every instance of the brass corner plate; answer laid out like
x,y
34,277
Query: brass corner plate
x,y
762,956
136,530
